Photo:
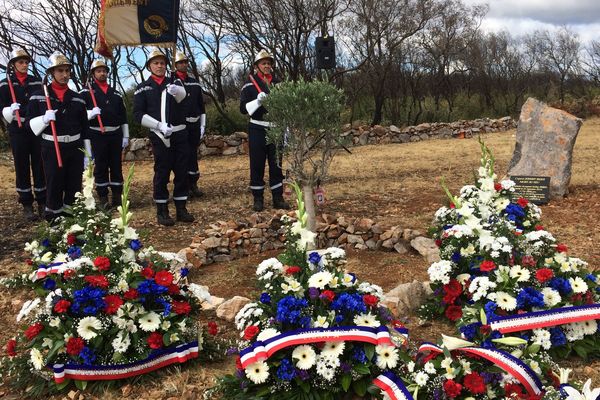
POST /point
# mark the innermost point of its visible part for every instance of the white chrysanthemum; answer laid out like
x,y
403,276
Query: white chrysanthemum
x,y
88,327
366,320
542,337
267,334
520,273
439,271
387,356
320,279
258,372
149,322
421,378
333,349
429,368
335,253
589,327
272,264
37,359
506,301
578,285
327,366
551,297
121,342
306,357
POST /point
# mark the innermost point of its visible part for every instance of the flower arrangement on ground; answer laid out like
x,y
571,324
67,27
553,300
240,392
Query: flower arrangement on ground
x,y
502,273
107,307
316,332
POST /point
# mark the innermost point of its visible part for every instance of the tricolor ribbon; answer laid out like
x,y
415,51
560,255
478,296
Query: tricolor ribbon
x,y
392,386
53,268
506,361
262,350
543,319
61,267
162,358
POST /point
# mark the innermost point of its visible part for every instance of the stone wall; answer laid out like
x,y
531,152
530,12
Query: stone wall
x,y
228,240
237,143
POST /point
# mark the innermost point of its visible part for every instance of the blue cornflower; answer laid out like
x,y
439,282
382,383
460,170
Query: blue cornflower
x,y
265,298
563,286
74,252
490,309
470,331
88,301
314,258
347,303
289,309
150,287
49,284
557,337
456,257
184,272
286,370
135,245
166,305
529,297
87,355
46,242
358,355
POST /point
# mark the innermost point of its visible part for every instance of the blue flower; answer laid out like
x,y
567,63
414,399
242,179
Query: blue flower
x,y
529,297
314,258
313,293
87,355
557,336
591,277
135,245
358,355
166,305
286,370
184,272
265,298
74,252
289,309
490,310
88,301
46,242
563,286
149,287
470,331
49,284
349,304
456,257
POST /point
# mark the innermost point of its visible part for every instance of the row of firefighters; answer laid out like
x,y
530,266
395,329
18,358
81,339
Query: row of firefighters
x,y
49,125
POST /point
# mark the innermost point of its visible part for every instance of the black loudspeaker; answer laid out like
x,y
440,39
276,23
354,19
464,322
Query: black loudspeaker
x,y
325,49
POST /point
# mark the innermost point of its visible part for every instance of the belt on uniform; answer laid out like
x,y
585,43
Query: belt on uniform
x,y
62,138
262,123
175,128
106,128
191,120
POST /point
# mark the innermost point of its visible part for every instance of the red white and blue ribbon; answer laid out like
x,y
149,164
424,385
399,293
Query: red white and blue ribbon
x,y
543,319
61,267
392,386
162,358
509,363
262,350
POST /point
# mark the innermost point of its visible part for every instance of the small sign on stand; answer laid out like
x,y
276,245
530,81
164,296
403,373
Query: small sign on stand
x,y
534,188
320,196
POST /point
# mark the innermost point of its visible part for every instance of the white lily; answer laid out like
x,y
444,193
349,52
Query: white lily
x,y
586,392
453,343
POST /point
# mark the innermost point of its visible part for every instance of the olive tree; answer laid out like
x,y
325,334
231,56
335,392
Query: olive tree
x,y
306,116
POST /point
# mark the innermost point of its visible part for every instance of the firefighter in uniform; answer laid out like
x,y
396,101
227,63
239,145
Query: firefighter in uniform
x,y
195,120
254,91
25,145
156,106
68,111
107,145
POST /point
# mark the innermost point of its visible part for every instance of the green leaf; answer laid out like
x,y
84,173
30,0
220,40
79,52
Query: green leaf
x,y
81,385
346,382
360,387
369,351
361,369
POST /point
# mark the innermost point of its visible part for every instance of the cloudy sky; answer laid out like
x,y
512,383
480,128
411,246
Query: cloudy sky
x,y
523,16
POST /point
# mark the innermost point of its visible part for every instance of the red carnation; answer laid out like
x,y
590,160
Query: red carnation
x,y
544,274
113,302
452,389
513,390
438,242
497,187
102,263
29,261
292,270
238,363
487,266
75,345
97,280
452,205
213,329
453,313
163,278
130,294
452,290
539,228
327,295
475,383
71,239
528,261
522,202
155,340
562,248
250,332
62,306
11,348
147,272
33,330
173,289
68,274
181,307
370,300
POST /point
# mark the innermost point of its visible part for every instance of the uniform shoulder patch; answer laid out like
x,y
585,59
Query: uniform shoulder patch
x,y
141,90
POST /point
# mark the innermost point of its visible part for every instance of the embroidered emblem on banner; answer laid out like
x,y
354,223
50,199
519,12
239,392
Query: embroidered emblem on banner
x,y
156,25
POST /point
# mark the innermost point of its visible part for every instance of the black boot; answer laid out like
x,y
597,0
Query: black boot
x,y
182,213
103,201
116,199
162,215
195,191
28,213
279,203
259,203
41,208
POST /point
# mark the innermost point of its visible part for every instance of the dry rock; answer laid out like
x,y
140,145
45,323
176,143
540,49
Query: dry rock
x,y
410,296
230,308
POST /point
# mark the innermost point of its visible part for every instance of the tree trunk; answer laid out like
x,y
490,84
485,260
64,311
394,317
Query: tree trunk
x,y
309,205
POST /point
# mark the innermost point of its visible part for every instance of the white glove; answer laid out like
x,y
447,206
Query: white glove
x,y
50,115
175,90
87,154
201,132
14,107
165,129
125,142
96,111
261,97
